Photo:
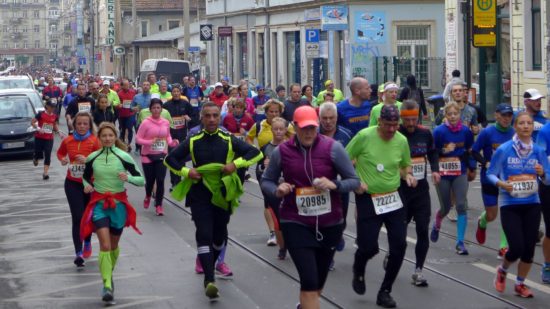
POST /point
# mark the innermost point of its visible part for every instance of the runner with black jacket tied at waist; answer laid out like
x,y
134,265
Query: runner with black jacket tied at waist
x,y
212,187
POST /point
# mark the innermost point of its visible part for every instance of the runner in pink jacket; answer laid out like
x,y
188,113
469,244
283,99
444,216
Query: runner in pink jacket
x,y
154,136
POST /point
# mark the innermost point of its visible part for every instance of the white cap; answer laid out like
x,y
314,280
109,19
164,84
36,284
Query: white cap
x,y
155,96
532,94
106,82
218,84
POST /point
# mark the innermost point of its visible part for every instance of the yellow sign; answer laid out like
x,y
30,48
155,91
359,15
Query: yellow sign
x,y
485,13
485,40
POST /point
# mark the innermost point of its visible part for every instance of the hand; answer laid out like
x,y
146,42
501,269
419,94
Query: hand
x,y
488,164
361,189
411,180
436,177
242,131
123,176
323,184
229,168
61,134
539,170
193,174
88,189
41,131
471,174
284,189
135,109
266,161
450,148
506,186
426,117
80,159
175,142
64,161
187,118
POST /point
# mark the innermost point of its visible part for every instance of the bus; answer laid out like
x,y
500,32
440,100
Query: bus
x,y
173,69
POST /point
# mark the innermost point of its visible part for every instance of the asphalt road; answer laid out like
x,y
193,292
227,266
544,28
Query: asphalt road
x,y
156,269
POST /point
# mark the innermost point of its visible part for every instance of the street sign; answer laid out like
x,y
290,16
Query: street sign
x,y
313,50
98,57
206,32
225,31
119,50
484,23
194,49
312,35
82,61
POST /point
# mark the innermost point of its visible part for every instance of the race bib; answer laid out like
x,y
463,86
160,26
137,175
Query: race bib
x,y
386,202
523,185
194,102
76,170
84,107
47,128
260,110
312,202
127,104
159,144
179,122
418,167
450,166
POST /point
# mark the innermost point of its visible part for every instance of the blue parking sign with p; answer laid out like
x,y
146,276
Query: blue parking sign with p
x,y
312,35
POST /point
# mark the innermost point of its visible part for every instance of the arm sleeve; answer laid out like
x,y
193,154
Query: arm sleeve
x,y
546,166
404,94
422,102
175,160
272,173
349,180
496,166
478,146
353,148
406,158
136,178
541,141
62,150
141,135
88,172
433,155
246,154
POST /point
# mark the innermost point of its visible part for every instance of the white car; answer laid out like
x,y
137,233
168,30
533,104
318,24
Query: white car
x,y
16,81
32,94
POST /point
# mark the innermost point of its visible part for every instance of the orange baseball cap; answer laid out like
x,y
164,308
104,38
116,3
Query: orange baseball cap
x,y
305,116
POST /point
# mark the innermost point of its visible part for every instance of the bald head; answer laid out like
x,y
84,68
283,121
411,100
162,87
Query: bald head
x,y
360,88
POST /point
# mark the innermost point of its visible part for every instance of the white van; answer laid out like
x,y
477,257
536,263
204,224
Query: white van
x,y
173,69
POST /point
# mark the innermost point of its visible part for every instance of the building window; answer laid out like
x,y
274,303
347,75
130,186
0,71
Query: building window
x,y
173,24
53,28
53,45
25,44
15,45
536,35
144,28
4,28
24,29
5,45
36,28
53,13
243,54
36,14
24,14
37,44
413,47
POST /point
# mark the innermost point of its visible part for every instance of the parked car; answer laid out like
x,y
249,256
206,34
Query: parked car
x,y
16,81
34,96
16,112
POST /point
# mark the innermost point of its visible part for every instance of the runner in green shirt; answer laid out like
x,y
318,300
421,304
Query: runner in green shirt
x,y
382,157
390,98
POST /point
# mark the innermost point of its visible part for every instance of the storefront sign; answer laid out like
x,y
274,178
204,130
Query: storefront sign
x,y
312,14
225,31
110,39
334,17
369,27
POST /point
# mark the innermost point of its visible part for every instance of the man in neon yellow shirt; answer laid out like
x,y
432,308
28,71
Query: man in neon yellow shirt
x,y
165,95
382,158
112,96
389,98
329,86
152,79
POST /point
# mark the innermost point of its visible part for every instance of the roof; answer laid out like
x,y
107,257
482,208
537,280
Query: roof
x,y
164,36
149,5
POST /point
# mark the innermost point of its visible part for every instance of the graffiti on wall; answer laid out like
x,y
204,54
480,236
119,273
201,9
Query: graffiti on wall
x,y
362,59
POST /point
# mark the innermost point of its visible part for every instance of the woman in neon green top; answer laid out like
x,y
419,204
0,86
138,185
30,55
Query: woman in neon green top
x,y
109,211
390,98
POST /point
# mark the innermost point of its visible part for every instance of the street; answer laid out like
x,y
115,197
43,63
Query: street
x,y
156,269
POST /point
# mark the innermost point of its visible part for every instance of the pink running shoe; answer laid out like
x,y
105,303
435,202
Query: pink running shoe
x,y
146,202
223,271
198,266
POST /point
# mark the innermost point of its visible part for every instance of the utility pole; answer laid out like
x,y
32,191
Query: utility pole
x,y
92,37
135,35
186,32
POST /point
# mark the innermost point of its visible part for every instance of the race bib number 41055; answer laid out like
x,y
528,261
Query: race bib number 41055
x,y
450,166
